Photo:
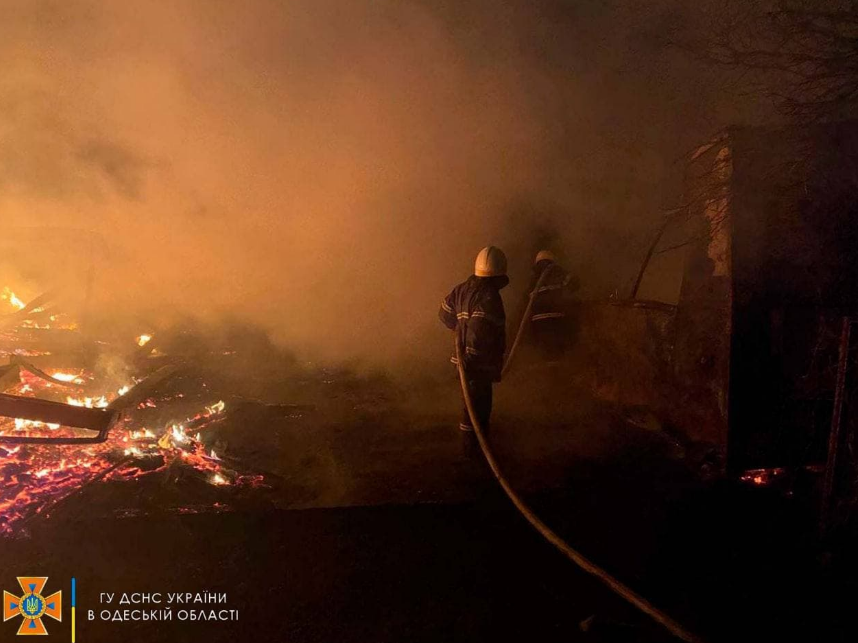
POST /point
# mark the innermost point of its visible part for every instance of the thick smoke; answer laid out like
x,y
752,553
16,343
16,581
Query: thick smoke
x,y
328,169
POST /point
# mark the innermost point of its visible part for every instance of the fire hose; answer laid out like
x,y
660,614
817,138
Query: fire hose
x,y
525,317
576,557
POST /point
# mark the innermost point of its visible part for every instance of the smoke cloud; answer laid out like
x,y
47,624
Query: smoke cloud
x,y
325,169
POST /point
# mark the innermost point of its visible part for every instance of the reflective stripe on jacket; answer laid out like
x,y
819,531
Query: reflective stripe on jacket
x,y
475,310
552,298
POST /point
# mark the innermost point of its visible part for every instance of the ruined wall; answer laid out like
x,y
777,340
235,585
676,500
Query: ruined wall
x,y
703,328
746,362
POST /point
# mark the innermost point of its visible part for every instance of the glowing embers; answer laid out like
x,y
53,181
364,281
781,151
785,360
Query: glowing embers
x,y
181,444
137,444
781,478
97,401
33,478
762,477
49,322
177,441
34,411
35,314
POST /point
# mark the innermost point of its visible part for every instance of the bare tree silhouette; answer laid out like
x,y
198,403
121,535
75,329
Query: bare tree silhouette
x,y
802,54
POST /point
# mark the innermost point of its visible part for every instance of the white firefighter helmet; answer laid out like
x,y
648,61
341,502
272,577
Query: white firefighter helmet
x,y
545,255
491,262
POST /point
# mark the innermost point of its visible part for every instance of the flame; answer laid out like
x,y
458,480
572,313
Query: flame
x,y
164,442
214,409
142,340
12,298
88,402
178,434
67,377
124,390
54,320
218,479
21,424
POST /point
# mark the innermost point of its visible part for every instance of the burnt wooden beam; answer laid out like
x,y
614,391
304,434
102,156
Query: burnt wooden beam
x,y
9,376
30,408
101,420
17,360
143,389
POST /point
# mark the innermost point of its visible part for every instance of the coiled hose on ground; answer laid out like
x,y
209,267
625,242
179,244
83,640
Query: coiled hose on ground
x,y
580,560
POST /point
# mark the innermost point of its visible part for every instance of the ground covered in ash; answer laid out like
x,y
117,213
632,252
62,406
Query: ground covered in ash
x,y
348,511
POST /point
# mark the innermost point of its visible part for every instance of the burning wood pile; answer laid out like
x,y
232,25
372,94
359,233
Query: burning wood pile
x,y
64,427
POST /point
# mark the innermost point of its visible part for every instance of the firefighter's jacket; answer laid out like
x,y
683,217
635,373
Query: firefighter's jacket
x,y
553,299
475,310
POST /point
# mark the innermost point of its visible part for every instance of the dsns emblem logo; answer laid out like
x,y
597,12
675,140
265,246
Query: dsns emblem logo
x,y
32,605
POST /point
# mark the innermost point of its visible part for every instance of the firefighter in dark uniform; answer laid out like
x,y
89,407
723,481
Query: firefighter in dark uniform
x,y
551,315
474,309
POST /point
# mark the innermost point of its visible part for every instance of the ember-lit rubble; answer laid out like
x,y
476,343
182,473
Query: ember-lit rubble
x,y
36,477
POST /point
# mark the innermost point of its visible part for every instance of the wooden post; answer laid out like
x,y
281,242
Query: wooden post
x,y
836,421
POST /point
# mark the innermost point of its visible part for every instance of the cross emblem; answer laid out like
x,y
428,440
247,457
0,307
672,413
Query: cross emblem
x,y
31,606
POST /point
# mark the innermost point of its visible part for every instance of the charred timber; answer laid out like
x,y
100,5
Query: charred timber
x,y
30,408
